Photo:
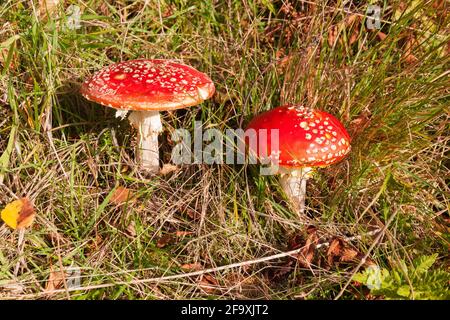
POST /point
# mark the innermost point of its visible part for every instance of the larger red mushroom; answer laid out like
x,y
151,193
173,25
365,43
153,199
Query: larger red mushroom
x,y
307,139
146,87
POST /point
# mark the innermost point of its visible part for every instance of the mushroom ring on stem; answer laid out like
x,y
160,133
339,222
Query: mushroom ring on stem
x,y
147,87
307,139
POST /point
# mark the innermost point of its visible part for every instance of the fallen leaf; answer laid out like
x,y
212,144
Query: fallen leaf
x,y
407,55
381,35
208,283
121,195
335,247
348,255
182,234
55,280
332,35
353,22
168,168
306,255
192,266
334,250
165,240
18,214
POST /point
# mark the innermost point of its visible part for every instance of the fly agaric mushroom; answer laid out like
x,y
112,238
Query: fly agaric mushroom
x,y
307,139
147,87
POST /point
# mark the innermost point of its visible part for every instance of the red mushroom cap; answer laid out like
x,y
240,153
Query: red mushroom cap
x,y
148,85
307,138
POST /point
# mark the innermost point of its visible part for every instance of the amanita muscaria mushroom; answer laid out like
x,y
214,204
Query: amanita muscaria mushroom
x,y
146,87
307,139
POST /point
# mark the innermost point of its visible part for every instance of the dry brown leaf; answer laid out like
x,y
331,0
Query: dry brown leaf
x,y
334,250
182,234
442,8
306,255
332,35
165,240
353,22
168,168
381,35
335,247
407,55
169,11
208,283
121,195
192,266
55,280
348,255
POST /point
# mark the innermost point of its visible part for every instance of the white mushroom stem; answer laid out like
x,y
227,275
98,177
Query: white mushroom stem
x,y
148,124
293,182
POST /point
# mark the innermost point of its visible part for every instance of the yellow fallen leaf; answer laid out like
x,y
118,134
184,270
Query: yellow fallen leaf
x,y
18,214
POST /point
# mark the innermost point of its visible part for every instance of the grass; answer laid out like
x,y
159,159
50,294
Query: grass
x,y
68,155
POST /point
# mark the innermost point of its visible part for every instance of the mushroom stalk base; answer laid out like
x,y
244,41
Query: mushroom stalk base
x,y
148,124
294,185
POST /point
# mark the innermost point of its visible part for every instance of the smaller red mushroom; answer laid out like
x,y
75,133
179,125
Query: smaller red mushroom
x,y
147,87
307,139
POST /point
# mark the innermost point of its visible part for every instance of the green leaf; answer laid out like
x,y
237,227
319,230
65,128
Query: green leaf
x,y
424,263
403,291
361,277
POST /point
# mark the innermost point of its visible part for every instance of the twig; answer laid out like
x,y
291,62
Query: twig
x,y
291,253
